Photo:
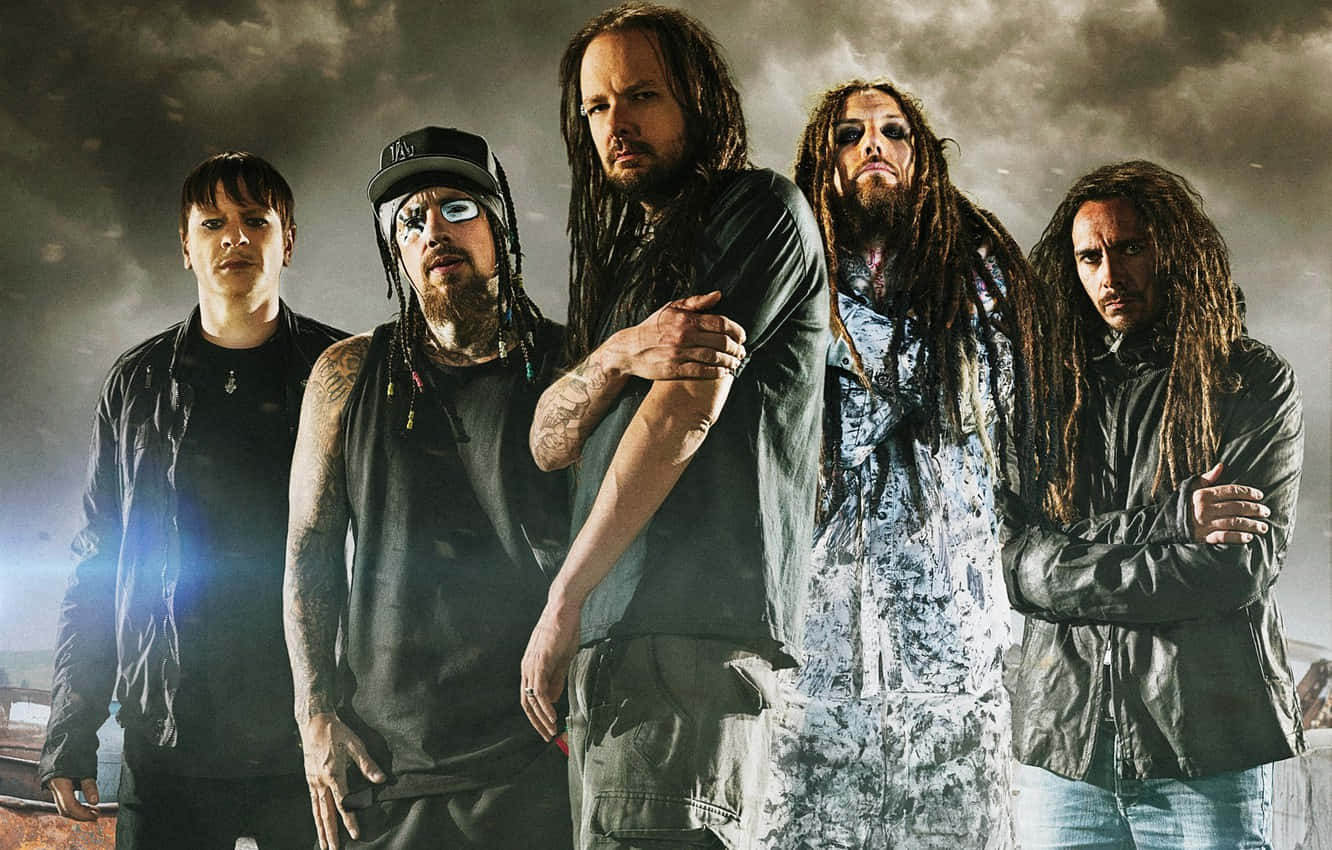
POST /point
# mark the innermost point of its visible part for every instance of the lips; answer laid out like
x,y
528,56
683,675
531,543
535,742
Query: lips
x,y
234,263
1119,302
629,152
875,166
444,263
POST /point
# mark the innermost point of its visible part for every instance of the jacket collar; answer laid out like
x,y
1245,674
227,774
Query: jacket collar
x,y
191,328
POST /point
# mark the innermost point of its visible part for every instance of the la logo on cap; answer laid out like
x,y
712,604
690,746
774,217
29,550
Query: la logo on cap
x,y
400,150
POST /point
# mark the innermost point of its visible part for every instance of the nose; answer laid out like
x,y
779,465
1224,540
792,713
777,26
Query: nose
x,y
437,228
233,234
619,119
873,141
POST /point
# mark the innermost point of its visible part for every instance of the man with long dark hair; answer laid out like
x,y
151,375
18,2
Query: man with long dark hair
x,y
900,735
175,605
1153,691
416,434
694,499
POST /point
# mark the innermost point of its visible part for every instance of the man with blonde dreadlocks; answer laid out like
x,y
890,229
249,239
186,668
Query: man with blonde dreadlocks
x,y
416,434
1153,692
897,735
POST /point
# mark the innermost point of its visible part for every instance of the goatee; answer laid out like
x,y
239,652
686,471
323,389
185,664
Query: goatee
x,y
877,210
657,183
464,309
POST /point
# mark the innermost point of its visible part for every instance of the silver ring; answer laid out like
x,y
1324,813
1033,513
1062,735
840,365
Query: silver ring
x,y
531,692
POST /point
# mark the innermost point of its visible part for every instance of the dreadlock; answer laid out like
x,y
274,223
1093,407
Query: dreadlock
x,y
938,265
518,316
1201,324
613,261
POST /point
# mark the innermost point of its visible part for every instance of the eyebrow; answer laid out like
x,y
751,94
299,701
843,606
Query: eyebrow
x,y
632,88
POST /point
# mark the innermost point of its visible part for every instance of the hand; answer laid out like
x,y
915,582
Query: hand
x,y
546,662
327,743
62,789
679,341
1228,513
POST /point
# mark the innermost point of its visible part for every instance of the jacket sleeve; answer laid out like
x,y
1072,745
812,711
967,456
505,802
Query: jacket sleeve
x,y
85,656
1082,573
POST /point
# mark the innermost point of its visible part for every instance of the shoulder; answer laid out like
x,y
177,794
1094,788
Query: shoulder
x,y
145,365
763,192
315,330
763,216
1263,373
336,369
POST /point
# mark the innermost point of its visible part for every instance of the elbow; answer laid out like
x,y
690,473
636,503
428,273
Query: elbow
x,y
547,456
683,429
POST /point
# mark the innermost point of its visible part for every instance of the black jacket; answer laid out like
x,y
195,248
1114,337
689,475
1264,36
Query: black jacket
x,y
117,632
1197,671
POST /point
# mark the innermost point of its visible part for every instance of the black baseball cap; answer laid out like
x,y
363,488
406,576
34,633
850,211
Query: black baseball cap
x,y
410,162
435,156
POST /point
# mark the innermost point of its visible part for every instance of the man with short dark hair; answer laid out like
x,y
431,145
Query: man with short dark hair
x,y
415,433
694,499
1153,692
900,735
175,604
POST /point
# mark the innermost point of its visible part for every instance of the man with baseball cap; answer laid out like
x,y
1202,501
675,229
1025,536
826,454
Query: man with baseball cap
x,y
415,433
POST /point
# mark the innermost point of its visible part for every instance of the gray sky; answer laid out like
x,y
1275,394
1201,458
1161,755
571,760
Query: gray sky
x,y
104,107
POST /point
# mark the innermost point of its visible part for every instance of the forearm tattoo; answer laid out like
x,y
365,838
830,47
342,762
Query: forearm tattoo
x,y
315,588
568,412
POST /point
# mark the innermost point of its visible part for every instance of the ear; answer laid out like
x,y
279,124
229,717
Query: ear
x,y
185,248
288,245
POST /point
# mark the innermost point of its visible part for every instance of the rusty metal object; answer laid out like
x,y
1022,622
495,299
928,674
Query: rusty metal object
x,y
36,825
1315,692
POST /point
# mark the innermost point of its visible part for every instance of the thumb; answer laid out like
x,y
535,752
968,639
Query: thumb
x,y
699,302
89,789
357,751
1213,475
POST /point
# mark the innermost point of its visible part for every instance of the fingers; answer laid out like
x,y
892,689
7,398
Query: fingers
x,y
326,819
316,809
348,820
363,761
62,791
1235,523
1226,492
89,789
1228,537
539,705
1213,475
698,302
1237,508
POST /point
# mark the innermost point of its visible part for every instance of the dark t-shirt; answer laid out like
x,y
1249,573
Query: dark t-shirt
x,y
233,708
445,585
727,553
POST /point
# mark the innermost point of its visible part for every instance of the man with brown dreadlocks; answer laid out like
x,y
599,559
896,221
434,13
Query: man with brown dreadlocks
x,y
1153,691
898,734
416,434
694,499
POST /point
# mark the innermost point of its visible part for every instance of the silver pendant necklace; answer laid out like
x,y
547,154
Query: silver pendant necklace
x,y
230,385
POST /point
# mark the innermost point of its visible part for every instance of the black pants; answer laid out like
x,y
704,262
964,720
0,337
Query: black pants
x,y
161,811
530,812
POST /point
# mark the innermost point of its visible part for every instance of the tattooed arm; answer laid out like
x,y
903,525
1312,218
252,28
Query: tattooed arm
x,y
676,342
314,588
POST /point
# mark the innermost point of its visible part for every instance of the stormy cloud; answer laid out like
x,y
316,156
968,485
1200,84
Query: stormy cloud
x,y
105,107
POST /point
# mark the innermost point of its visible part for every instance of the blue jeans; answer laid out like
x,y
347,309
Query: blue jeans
x,y
1224,811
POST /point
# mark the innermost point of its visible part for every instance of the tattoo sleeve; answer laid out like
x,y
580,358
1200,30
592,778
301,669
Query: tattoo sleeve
x,y
569,411
314,587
